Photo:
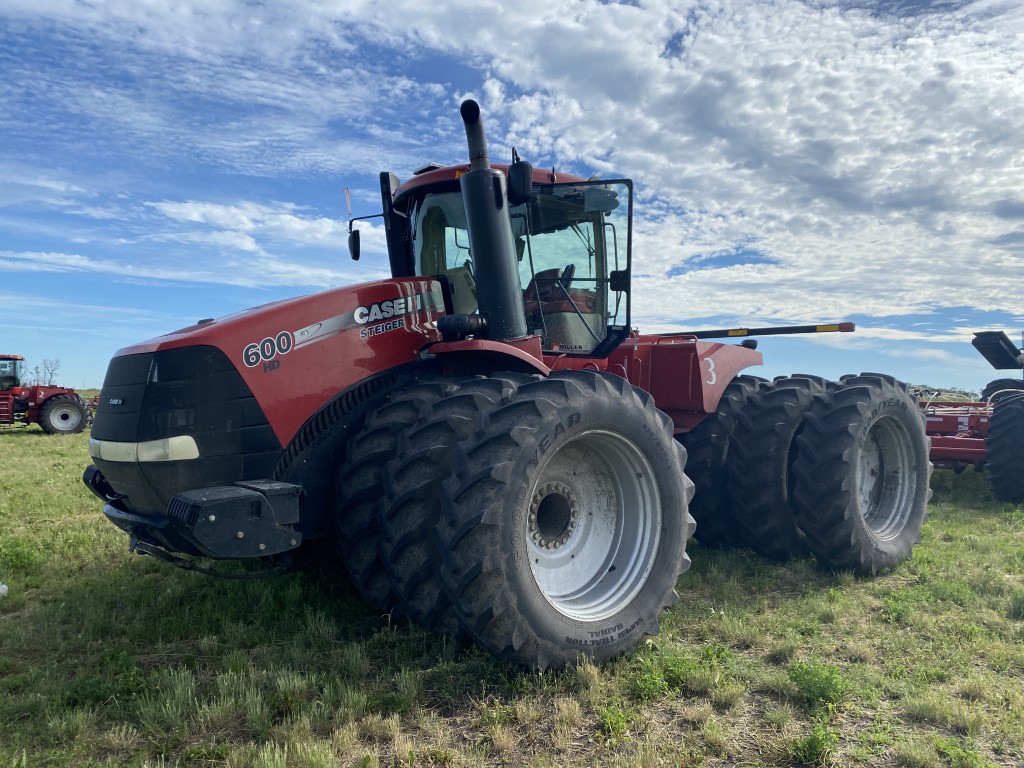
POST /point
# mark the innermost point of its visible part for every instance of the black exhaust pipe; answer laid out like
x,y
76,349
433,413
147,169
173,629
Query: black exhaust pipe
x,y
478,160
499,294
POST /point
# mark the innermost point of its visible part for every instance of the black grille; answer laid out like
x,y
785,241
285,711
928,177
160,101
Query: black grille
x,y
187,391
183,512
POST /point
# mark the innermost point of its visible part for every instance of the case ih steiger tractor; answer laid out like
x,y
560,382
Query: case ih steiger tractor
x,y
986,434
495,452
58,410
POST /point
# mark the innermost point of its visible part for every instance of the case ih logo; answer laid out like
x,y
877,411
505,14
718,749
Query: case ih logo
x,y
387,309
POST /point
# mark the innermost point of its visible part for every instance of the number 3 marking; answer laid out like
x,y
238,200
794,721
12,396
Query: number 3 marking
x,y
712,376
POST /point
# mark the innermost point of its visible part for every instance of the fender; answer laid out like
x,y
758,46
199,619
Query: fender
x,y
685,376
485,356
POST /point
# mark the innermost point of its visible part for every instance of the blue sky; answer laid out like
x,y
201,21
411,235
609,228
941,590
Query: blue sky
x,y
795,161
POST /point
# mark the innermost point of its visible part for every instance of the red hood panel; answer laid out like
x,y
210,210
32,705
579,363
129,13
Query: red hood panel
x,y
296,355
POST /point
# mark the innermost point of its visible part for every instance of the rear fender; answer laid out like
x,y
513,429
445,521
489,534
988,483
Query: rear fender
x,y
687,377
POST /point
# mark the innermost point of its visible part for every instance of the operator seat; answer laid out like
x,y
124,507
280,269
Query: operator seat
x,y
433,261
568,318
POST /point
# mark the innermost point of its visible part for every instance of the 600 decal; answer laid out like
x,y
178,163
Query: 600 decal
x,y
268,349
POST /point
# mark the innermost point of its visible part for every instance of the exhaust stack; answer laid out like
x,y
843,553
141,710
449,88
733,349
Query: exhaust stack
x,y
478,159
491,245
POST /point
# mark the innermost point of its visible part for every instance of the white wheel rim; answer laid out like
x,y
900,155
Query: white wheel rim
x,y
594,525
886,478
65,418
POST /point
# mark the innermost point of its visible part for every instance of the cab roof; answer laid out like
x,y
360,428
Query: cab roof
x,y
446,179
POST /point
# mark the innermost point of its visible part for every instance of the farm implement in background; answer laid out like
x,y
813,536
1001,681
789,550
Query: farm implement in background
x,y
58,410
988,433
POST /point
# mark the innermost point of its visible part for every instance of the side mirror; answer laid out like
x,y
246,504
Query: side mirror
x,y
619,280
353,244
520,182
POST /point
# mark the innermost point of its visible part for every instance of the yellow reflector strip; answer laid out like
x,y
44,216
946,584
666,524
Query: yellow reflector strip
x,y
826,328
180,448
738,332
110,451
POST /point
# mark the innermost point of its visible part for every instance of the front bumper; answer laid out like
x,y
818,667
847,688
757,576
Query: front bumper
x,y
248,519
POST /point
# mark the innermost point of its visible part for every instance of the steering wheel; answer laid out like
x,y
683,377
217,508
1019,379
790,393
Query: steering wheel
x,y
567,275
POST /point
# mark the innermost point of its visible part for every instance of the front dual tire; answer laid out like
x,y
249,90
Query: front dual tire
x,y
550,515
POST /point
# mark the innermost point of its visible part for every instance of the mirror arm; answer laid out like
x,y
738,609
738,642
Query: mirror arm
x,y
353,234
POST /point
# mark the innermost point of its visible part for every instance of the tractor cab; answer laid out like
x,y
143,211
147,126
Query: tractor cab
x,y
571,242
10,372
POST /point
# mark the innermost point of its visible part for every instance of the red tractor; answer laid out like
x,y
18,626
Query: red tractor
x,y
58,410
989,433
495,451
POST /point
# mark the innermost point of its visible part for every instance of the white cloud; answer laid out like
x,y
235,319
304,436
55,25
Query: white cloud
x,y
933,355
864,153
284,221
20,185
15,303
249,272
871,153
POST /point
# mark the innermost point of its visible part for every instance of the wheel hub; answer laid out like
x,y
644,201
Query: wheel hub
x,y
554,515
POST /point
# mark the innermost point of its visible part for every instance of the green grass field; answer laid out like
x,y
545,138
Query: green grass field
x,y
110,659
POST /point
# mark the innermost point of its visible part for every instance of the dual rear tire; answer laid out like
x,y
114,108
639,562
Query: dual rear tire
x,y
760,466
839,469
708,445
861,474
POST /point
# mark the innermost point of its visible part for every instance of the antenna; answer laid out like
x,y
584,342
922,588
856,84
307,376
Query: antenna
x,y
348,202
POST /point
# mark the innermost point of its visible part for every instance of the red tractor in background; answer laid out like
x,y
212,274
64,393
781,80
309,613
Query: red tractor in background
x,y
58,410
495,451
989,433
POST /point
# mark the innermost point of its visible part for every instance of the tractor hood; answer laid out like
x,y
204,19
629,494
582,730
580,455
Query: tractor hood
x,y
295,355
